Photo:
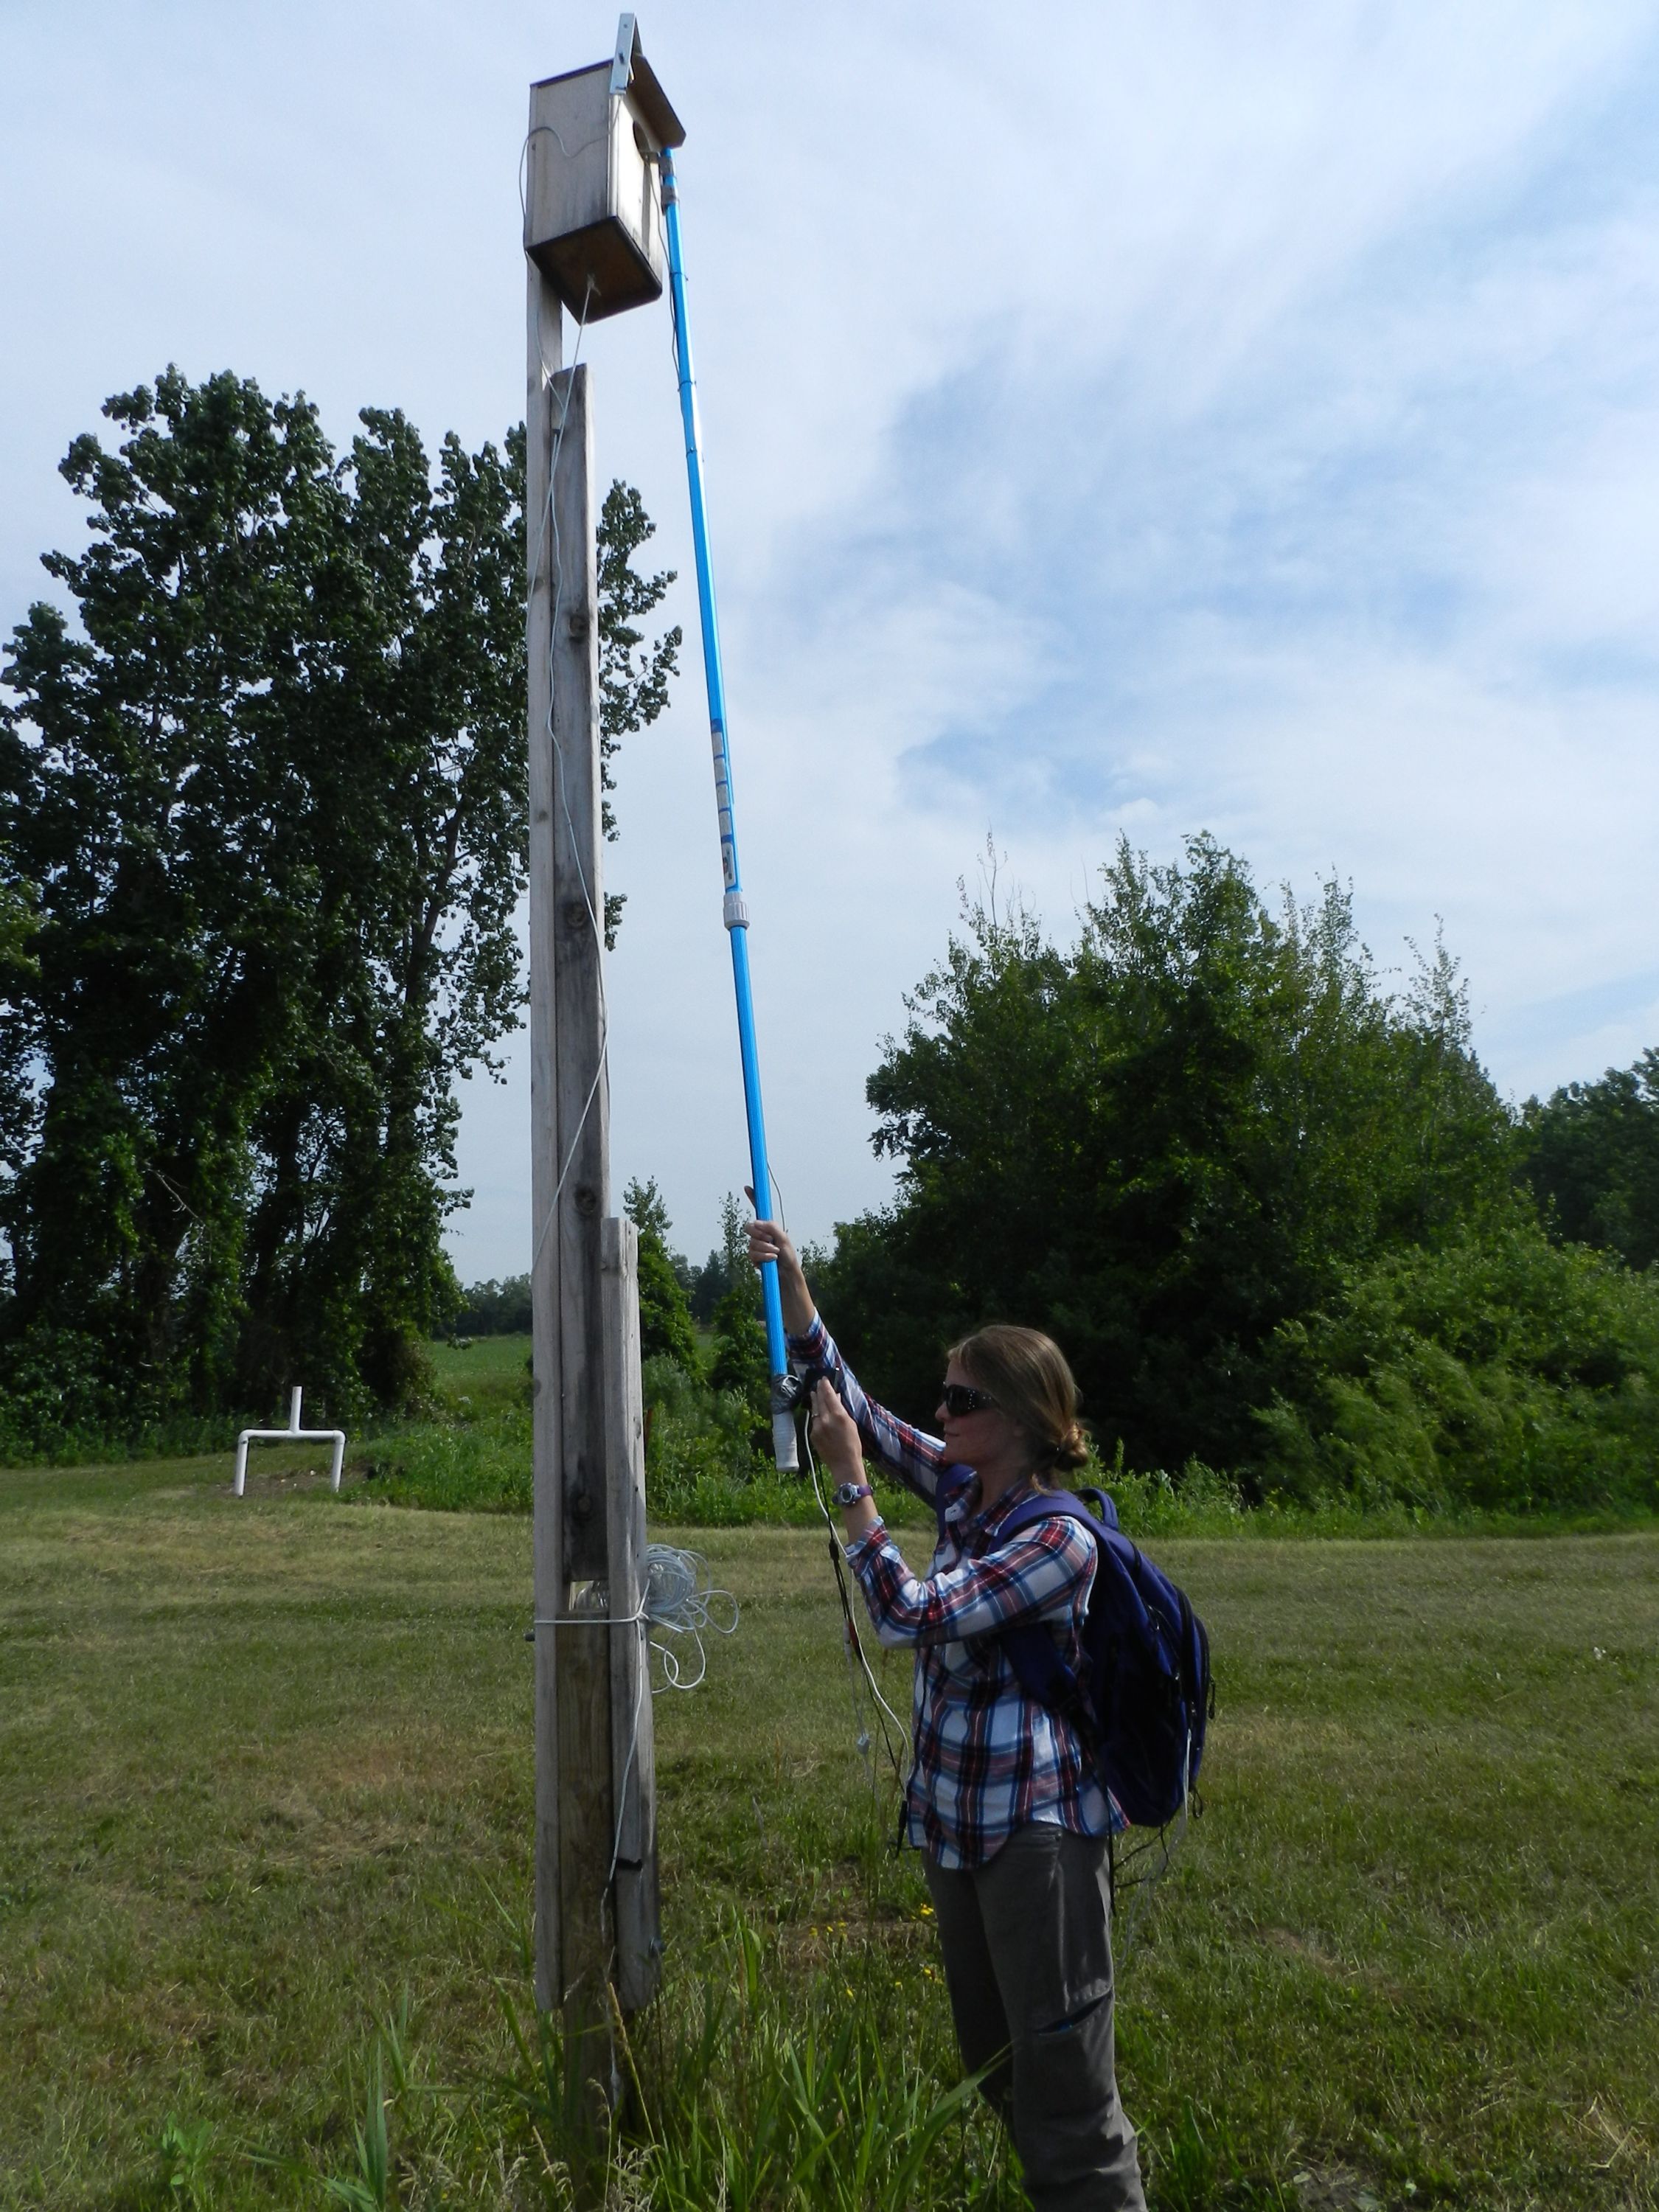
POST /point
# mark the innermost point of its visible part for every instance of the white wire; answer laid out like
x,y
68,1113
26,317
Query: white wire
x,y
628,1768
547,131
855,1652
862,1741
1142,1888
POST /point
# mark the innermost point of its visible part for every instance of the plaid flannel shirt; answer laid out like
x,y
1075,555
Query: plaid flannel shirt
x,y
989,1759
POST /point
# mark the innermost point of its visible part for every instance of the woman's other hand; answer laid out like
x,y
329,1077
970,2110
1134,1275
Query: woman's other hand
x,y
836,1440
767,1241
835,1434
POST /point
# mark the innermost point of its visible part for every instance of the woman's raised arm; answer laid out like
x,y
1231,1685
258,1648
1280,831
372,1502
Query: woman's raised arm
x,y
911,1454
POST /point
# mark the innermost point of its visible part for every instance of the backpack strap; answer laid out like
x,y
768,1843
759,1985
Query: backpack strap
x,y
953,1481
1104,1509
1041,1672
1069,1502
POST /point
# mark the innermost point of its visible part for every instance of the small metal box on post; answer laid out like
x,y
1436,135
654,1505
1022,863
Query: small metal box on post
x,y
592,242
593,197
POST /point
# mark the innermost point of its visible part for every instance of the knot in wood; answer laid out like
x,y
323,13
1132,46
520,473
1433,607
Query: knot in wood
x,y
577,621
581,1507
587,1200
572,917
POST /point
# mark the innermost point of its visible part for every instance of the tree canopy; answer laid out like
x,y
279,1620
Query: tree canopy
x,y
1591,1154
665,1326
1192,1146
262,838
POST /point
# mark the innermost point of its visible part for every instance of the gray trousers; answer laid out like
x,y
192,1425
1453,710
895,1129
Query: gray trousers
x,y
1027,1962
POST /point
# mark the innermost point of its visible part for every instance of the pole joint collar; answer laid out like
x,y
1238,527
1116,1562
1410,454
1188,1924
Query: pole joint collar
x,y
733,912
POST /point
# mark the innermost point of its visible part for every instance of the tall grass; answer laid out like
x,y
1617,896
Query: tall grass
x,y
749,2090
478,1463
753,2090
741,2088
473,1452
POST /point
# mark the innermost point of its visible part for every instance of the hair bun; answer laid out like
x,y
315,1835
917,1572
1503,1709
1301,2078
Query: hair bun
x,y
1072,1449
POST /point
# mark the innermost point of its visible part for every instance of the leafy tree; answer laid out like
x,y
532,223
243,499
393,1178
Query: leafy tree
x,y
20,972
740,1358
633,675
1160,1145
708,1286
1591,1156
262,836
666,1325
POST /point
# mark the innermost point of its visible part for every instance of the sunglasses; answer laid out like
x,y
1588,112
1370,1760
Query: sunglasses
x,y
957,1399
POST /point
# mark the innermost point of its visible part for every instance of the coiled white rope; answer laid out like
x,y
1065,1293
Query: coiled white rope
x,y
681,1598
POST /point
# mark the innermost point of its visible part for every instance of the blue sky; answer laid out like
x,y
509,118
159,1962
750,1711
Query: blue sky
x,y
1208,418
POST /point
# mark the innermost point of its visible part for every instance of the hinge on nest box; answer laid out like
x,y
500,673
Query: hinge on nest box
x,y
622,66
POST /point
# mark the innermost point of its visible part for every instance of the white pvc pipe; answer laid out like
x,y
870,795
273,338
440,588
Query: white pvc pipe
x,y
335,1436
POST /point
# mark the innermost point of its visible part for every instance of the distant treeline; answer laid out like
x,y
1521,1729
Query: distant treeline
x,y
502,1309
495,1308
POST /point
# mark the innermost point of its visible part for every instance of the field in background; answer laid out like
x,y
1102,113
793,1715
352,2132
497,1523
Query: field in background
x,y
480,1366
264,1780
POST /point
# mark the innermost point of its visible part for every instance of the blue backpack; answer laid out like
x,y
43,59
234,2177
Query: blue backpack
x,y
1146,1693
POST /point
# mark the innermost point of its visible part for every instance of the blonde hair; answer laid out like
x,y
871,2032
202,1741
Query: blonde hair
x,y
1027,1374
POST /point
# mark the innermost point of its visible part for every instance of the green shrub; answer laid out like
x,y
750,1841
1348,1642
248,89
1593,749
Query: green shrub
x,y
457,1465
1201,1502
700,1460
59,1406
1501,1372
473,1452
1500,1379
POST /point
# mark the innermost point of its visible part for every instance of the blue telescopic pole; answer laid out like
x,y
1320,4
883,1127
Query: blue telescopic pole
x,y
734,912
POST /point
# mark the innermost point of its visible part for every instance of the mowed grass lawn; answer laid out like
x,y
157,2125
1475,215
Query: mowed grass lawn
x,y
265,1771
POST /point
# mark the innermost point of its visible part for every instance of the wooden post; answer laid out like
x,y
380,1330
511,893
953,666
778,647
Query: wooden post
x,y
582,1654
573,1859
570,1119
638,1941
543,320
596,1902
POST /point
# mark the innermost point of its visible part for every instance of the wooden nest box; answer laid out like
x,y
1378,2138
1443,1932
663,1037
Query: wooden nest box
x,y
593,194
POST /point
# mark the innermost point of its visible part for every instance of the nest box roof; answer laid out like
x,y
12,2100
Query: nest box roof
x,y
631,72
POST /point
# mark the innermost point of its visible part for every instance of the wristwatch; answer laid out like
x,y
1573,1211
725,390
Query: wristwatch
x,y
848,1493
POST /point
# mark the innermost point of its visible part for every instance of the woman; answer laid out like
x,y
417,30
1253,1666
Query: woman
x,y
1001,1799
